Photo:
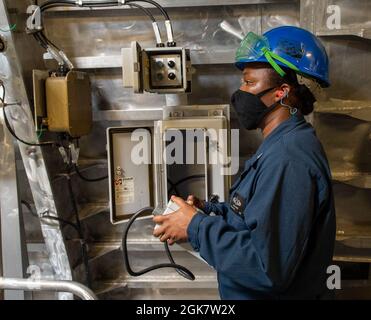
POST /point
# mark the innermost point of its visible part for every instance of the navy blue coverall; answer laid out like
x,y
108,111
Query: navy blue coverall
x,y
274,238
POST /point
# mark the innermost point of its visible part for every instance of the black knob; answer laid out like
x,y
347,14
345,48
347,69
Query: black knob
x,y
160,64
171,64
172,76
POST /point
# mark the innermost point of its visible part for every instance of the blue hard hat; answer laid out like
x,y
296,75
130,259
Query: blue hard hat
x,y
289,47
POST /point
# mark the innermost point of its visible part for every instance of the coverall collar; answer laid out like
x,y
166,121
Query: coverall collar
x,y
276,134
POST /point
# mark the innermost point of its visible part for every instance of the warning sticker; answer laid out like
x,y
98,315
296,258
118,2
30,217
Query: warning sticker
x,y
124,190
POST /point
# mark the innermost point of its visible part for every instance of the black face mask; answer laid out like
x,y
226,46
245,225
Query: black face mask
x,y
250,109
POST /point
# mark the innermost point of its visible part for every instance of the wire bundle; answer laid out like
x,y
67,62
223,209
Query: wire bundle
x,y
44,42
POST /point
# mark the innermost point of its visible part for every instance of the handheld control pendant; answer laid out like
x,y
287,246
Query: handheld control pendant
x,y
170,208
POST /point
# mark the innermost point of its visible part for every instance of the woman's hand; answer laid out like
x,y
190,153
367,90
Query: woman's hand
x,y
173,227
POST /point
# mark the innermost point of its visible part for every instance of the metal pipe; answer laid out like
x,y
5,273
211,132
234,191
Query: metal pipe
x,y
48,285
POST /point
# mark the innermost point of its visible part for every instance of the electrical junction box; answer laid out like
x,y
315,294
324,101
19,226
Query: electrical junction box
x,y
63,104
39,79
68,104
164,70
134,185
130,182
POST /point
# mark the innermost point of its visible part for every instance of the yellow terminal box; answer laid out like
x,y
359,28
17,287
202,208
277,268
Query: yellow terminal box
x,y
68,104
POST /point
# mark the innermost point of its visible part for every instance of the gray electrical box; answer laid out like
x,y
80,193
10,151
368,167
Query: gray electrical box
x,y
130,175
142,172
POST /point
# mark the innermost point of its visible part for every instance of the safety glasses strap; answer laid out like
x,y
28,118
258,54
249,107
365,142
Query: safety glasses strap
x,y
271,56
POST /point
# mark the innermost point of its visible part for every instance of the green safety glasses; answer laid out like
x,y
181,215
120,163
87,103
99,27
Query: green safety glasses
x,y
253,47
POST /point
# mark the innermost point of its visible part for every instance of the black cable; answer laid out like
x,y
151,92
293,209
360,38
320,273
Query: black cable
x,y
39,34
78,223
163,11
43,144
28,206
52,3
40,41
145,10
99,4
71,224
77,227
182,270
82,177
75,166
43,39
173,186
46,4
12,132
197,176
92,5
44,216
73,201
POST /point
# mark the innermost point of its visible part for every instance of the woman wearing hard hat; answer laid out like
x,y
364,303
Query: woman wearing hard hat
x,y
274,238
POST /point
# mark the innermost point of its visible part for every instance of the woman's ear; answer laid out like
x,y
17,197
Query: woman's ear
x,y
283,91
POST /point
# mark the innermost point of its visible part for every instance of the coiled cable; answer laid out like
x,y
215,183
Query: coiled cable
x,y
183,271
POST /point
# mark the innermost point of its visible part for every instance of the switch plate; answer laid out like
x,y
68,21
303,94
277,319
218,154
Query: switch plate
x,y
157,70
162,72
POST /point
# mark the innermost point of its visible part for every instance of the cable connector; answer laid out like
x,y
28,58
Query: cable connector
x,y
67,61
55,54
75,152
122,2
156,29
64,155
170,36
79,3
